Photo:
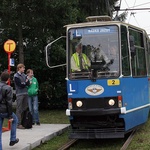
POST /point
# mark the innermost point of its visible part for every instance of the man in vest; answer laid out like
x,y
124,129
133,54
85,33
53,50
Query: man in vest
x,y
79,61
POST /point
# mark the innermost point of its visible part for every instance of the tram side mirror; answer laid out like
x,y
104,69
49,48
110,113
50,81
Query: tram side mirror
x,y
48,53
132,47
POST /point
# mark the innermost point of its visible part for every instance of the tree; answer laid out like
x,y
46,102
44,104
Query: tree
x,y
95,8
32,24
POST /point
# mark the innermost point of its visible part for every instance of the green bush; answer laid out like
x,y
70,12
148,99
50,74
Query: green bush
x,y
52,96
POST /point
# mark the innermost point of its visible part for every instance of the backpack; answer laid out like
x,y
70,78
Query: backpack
x,y
1,93
27,119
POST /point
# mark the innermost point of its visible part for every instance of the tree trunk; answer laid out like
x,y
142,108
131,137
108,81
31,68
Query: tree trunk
x,y
20,37
20,44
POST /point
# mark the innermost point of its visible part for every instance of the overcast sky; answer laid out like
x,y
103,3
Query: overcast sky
x,y
140,18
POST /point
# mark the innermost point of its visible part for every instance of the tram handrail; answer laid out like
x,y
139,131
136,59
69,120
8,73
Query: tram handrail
x,y
46,51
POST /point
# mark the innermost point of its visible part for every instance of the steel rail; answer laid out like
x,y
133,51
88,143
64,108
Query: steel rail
x,y
128,141
68,144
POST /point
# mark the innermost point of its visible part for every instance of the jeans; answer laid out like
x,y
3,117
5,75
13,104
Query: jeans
x,y
22,105
33,107
13,127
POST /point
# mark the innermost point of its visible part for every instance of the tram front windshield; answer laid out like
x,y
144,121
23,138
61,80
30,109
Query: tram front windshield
x,y
93,52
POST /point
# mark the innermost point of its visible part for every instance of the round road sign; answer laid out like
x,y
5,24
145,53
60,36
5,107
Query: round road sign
x,y
9,46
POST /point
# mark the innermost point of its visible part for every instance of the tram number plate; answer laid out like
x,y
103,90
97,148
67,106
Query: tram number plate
x,y
113,82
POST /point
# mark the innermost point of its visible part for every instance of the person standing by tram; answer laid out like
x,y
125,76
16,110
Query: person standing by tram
x,y
33,89
21,82
79,60
6,109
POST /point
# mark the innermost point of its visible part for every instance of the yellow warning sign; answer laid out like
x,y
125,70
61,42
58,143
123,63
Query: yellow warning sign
x,y
9,46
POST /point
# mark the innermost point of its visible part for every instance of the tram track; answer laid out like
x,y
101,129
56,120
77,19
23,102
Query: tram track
x,y
128,141
68,144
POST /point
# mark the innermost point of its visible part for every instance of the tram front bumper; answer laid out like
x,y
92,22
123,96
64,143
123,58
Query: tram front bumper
x,y
95,112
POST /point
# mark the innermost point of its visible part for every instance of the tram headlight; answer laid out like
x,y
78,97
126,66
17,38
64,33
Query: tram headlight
x,y
79,103
111,102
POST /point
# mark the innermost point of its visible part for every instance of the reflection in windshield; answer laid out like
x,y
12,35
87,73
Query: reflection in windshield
x,y
94,52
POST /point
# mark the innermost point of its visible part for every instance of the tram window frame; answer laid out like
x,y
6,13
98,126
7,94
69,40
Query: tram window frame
x,y
138,60
72,50
126,71
148,55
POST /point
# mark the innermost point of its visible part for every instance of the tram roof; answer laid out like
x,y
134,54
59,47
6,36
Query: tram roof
x,y
96,23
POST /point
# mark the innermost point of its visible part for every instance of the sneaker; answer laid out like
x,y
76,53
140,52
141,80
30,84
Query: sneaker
x,y
20,127
33,123
13,142
38,123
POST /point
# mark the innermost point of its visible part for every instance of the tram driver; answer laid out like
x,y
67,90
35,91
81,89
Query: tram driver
x,y
79,60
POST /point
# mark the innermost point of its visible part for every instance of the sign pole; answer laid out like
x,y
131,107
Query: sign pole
x,y
9,47
9,55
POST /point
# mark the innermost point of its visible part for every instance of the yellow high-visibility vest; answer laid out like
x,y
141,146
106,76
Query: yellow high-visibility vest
x,y
76,58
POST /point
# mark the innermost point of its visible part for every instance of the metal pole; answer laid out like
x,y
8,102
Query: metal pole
x,y
9,55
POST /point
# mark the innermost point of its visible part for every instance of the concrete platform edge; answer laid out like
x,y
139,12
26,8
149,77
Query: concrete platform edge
x,y
46,138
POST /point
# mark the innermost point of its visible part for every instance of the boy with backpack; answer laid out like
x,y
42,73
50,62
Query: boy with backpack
x,y
6,96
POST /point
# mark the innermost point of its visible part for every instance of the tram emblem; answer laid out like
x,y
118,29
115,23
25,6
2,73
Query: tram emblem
x,y
94,90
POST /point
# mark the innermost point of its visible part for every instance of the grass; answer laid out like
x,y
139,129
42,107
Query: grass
x,y
50,117
140,141
53,116
54,143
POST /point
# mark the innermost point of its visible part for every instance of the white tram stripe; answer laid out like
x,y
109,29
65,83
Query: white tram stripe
x,y
124,111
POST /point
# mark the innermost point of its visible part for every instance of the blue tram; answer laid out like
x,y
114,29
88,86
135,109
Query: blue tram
x,y
109,96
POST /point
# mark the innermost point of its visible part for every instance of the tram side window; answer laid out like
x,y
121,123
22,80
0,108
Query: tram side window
x,y
125,52
138,61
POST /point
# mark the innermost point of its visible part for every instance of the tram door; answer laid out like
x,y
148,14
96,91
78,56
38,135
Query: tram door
x,y
136,53
138,59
